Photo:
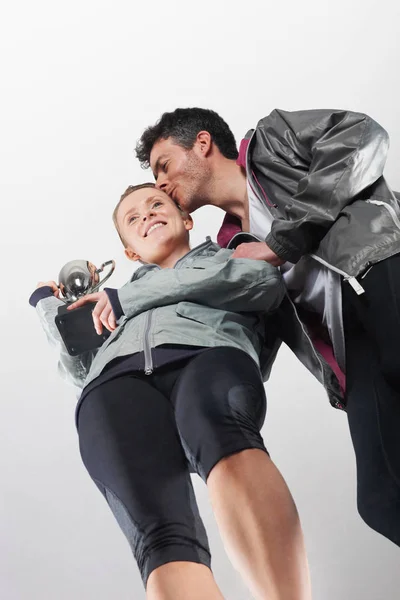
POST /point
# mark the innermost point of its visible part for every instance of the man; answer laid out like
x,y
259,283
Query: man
x,y
309,185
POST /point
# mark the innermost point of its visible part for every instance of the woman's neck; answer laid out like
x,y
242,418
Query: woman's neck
x,y
170,261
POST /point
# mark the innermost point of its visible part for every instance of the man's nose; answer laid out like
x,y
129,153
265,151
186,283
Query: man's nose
x,y
161,183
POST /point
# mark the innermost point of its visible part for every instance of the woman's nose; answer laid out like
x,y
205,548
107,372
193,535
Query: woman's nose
x,y
148,214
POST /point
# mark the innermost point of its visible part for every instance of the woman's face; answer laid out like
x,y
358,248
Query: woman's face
x,y
152,226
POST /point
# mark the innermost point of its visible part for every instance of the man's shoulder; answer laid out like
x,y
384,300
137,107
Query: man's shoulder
x,y
280,118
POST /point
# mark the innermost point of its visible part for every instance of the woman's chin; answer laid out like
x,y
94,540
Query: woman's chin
x,y
159,253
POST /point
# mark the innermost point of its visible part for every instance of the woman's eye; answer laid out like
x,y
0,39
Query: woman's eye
x,y
156,204
131,220
164,166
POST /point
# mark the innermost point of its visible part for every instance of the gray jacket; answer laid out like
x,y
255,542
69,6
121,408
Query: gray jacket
x,y
207,299
320,175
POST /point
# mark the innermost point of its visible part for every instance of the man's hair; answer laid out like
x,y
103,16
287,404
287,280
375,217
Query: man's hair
x,y
129,190
182,126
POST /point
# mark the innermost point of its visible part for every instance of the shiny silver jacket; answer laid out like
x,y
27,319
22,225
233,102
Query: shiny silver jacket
x,y
320,174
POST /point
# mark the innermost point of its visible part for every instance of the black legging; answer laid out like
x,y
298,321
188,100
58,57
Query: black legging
x,y
140,436
372,330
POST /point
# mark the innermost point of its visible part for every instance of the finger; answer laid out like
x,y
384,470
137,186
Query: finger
x,y
50,284
83,300
53,286
97,322
112,320
239,253
97,316
105,316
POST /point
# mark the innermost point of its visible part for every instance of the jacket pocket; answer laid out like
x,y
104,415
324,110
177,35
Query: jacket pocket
x,y
222,324
210,317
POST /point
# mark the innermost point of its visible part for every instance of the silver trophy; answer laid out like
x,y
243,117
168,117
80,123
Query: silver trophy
x,y
80,278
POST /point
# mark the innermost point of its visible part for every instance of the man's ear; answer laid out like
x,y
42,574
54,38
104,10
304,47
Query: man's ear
x,y
131,254
204,142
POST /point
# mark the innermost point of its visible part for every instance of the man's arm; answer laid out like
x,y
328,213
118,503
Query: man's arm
x,y
238,285
343,152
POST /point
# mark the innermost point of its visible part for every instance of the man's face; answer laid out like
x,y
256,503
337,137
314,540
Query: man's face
x,y
152,225
182,174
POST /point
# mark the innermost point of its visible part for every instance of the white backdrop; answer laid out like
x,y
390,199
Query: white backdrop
x,y
79,81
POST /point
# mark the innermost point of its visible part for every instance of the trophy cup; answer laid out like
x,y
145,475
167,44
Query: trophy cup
x,y
79,278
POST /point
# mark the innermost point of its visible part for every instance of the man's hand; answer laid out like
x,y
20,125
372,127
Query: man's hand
x,y
52,284
102,314
258,251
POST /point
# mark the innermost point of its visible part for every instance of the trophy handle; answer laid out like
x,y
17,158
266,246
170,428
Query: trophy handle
x,y
60,297
100,270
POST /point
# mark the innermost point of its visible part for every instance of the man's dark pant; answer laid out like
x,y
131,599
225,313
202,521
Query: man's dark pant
x,y
372,332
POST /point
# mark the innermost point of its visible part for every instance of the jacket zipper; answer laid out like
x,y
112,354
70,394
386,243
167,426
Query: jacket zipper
x,y
389,208
148,359
296,315
308,338
338,404
353,281
267,200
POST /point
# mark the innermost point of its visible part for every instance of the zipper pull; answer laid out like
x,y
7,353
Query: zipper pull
x,y
366,272
356,285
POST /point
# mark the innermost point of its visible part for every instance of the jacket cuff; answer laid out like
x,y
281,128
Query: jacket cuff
x,y
39,294
115,303
292,256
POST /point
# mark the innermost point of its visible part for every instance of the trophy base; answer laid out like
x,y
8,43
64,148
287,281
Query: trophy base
x,y
77,329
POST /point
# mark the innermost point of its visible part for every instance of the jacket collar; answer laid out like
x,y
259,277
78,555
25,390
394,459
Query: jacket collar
x,y
202,248
242,237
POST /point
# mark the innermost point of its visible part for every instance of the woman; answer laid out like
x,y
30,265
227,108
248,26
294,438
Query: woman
x,y
177,388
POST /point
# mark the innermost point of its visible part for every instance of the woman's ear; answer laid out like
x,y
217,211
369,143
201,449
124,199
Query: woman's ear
x,y
188,222
131,254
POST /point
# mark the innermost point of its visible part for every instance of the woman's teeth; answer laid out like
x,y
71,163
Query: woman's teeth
x,y
153,227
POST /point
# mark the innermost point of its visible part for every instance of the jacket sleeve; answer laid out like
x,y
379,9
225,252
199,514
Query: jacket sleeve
x,y
72,369
238,285
343,153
